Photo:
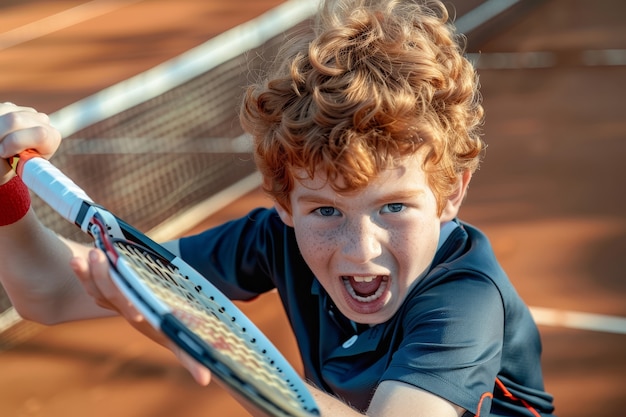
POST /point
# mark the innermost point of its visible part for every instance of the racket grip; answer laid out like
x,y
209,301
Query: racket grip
x,y
50,184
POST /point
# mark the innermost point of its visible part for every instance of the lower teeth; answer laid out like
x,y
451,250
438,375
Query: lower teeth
x,y
369,298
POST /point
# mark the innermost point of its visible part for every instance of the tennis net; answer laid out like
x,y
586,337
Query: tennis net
x,y
158,144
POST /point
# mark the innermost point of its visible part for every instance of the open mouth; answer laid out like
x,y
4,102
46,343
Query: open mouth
x,y
366,289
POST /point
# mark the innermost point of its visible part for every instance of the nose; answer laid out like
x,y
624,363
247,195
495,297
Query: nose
x,y
362,240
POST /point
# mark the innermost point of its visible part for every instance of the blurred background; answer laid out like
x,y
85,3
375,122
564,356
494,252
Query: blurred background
x,y
146,93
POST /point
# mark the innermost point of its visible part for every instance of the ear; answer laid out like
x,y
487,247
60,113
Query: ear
x,y
453,204
284,214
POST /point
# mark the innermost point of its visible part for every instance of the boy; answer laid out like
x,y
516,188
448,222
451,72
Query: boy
x,y
367,135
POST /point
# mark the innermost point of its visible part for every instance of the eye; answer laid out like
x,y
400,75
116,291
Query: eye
x,y
393,208
327,211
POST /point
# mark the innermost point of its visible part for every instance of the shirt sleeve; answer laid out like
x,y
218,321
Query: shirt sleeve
x,y
452,341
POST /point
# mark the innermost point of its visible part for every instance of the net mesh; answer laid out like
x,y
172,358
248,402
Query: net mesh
x,y
140,179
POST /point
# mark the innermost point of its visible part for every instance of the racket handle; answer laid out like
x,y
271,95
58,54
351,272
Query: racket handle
x,y
50,184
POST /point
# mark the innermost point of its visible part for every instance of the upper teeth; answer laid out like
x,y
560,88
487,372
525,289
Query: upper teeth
x,y
365,279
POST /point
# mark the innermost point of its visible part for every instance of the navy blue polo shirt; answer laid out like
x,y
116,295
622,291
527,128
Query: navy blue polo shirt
x,y
463,333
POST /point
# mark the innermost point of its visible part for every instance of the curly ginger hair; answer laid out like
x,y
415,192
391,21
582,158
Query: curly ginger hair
x,y
372,82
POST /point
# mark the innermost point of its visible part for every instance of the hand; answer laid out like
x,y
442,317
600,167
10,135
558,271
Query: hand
x,y
93,274
24,128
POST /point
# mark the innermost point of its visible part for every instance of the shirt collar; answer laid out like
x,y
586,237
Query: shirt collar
x,y
446,230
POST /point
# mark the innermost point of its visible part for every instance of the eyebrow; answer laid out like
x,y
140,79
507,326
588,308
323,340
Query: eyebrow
x,y
399,196
314,198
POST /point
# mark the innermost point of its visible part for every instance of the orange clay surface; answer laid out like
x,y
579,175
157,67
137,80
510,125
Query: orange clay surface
x,y
550,194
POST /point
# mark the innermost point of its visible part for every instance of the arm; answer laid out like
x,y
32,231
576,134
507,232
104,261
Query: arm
x,y
392,399
36,271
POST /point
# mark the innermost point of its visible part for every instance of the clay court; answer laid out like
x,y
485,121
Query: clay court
x,y
550,194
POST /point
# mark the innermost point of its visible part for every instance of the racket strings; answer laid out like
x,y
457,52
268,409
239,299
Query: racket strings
x,y
206,318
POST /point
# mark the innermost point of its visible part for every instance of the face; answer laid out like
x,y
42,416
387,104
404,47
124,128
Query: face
x,y
368,248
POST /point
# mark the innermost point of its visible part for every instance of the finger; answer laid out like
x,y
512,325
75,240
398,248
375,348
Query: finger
x,y
99,266
199,373
81,269
8,107
24,128
95,278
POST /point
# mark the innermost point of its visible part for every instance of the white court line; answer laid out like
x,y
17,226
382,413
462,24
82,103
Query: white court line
x,y
543,316
546,59
512,60
609,57
59,21
577,320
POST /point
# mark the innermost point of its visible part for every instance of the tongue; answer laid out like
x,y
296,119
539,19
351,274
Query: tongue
x,y
365,289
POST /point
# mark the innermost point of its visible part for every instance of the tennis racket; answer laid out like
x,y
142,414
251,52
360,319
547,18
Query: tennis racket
x,y
176,299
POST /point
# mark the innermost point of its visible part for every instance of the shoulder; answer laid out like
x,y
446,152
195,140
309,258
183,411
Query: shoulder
x,y
466,270
465,276
464,296
459,300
